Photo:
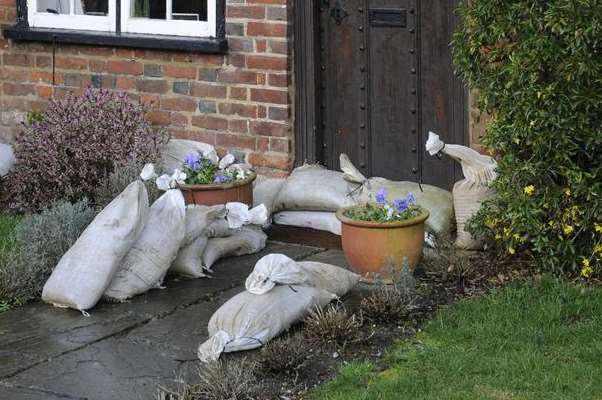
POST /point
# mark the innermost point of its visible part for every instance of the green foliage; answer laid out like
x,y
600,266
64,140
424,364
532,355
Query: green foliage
x,y
41,240
116,182
201,172
524,342
536,67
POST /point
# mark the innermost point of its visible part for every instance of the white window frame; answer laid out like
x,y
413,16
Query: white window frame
x,y
168,26
38,19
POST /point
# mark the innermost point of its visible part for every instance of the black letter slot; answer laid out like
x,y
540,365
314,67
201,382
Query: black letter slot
x,y
397,17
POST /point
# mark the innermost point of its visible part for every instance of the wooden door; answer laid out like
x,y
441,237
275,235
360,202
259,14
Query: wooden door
x,y
385,78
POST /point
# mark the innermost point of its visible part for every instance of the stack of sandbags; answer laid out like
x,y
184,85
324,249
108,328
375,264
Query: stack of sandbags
x,y
479,172
279,293
7,159
86,270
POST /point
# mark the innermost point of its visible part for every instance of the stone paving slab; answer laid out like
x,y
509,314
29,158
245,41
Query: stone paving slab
x,y
123,350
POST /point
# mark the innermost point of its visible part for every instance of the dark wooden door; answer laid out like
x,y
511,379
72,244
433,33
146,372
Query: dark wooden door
x,y
385,78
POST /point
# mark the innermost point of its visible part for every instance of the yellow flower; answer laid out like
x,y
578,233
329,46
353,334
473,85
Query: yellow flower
x,y
586,271
516,140
498,236
585,262
511,250
598,248
598,227
568,229
567,192
516,236
529,190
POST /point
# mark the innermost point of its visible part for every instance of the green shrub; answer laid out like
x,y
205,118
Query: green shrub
x,y
41,240
537,69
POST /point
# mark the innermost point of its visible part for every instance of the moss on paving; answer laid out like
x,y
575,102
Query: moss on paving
x,y
535,341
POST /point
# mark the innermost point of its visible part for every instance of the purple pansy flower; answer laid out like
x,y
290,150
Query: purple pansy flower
x,y
222,179
381,197
192,161
401,205
411,199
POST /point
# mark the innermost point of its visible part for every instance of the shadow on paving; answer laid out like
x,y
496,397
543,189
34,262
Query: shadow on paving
x,y
122,351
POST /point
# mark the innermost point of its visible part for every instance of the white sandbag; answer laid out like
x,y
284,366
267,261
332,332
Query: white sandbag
x,y
198,218
86,270
248,321
239,215
177,149
314,188
437,201
219,228
248,240
265,192
479,172
279,269
319,220
468,198
149,259
7,159
189,261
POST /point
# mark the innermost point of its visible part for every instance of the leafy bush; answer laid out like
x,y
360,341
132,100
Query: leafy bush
x,y
536,66
41,241
77,143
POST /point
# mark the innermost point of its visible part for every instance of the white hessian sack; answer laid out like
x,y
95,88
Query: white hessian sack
x,y
313,188
219,229
247,240
239,215
248,321
319,220
468,198
265,192
177,149
279,269
148,260
198,218
7,159
437,201
189,261
86,270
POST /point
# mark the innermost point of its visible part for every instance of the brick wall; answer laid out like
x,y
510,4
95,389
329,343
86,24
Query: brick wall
x,y
240,100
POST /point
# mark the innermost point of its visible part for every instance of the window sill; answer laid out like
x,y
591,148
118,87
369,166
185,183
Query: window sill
x,y
159,42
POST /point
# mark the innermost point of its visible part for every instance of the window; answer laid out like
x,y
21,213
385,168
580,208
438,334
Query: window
x,y
191,18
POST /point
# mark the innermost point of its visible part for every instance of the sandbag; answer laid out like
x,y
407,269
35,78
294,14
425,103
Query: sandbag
x,y
437,201
239,215
468,198
176,150
319,220
279,269
86,270
219,228
248,321
198,218
314,188
189,261
265,192
247,240
149,259
7,159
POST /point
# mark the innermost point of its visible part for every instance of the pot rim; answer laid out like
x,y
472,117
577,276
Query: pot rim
x,y
423,216
223,186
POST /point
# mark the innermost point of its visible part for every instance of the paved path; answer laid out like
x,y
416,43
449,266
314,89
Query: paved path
x,y
123,351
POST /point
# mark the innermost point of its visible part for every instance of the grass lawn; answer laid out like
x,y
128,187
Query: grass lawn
x,y
7,229
525,342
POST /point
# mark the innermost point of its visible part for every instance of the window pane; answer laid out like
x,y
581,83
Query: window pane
x,y
92,7
53,6
191,10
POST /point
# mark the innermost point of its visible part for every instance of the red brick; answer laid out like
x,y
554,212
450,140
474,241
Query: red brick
x,y
261,45
179,72
278,47
208,122
198,135
43,61
179,119
18,89
24,60
266,29
280,145
238,93
270,160
239,76
281,2
269,96
263,143
235,141
98,66
158,117
45,92
178,104
126,83
264,128
267,62
204,90
71,63
125,67
279,80
242,11
152,85
243,110
238,125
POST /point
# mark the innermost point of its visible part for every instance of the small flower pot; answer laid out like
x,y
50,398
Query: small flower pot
x,y
213,194
376,249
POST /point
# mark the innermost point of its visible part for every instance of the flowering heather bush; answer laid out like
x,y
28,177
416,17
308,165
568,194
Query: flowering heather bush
x,y
79,141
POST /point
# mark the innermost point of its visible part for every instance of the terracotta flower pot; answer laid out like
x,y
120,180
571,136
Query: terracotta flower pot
x,y
373,248
209,195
